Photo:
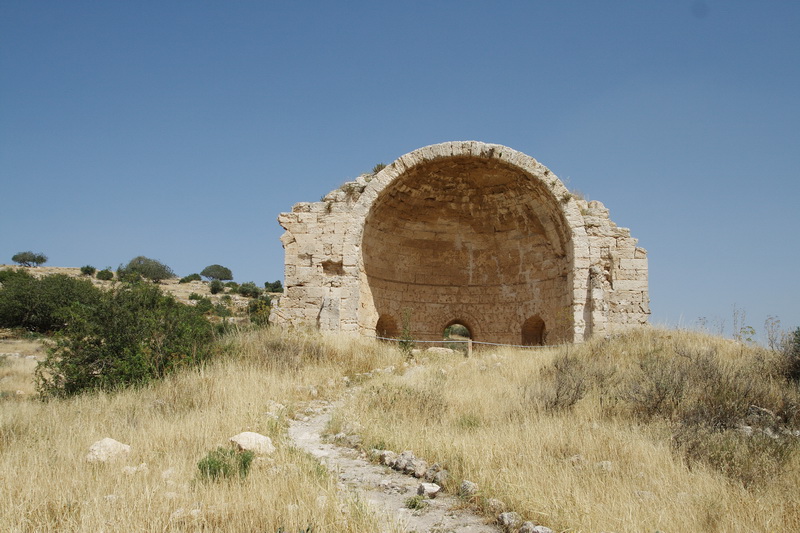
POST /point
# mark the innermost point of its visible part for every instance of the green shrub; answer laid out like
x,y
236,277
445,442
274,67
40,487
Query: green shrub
x,y
105,275
29,259
222,311
258,310
377,168
225,463
190,277
232,287
217,272
416,502
194,296
88,270
204,305
275,286
250,290
129,336
40,304
145,267
215,286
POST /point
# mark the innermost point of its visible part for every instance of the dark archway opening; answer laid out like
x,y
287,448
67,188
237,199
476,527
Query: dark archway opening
x,y
533,331
387,327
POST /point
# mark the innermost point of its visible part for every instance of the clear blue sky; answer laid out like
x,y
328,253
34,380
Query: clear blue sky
x,y
180,129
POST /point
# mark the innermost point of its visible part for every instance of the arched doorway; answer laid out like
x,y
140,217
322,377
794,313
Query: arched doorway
x,y
387,327
533,331
467,236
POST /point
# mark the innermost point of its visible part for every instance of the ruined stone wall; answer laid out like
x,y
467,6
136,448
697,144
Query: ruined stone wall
x,y
463,232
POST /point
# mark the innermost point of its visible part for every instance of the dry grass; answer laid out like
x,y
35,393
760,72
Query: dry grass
x,y
46,485
572,437
636,433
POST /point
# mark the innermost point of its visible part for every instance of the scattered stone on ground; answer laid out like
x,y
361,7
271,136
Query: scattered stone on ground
x,y
253,442
386,490
106,450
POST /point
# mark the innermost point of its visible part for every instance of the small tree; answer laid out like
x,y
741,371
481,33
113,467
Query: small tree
x,y
275,286
29,259
216,287
217,272
249,290
145,267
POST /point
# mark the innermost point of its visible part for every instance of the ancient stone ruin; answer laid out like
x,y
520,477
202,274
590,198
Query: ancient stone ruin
x,y
461,233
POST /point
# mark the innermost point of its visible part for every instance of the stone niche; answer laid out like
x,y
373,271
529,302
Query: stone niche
x,y
461,232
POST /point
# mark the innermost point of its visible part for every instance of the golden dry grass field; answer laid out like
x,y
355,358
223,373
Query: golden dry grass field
x,y
642,432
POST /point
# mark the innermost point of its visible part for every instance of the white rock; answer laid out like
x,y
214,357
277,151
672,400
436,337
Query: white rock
x,y
253,442
130,470
106,449
468,489
509,520
388,458
429,490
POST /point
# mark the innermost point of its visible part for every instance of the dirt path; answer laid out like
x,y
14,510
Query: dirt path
x,y
382,487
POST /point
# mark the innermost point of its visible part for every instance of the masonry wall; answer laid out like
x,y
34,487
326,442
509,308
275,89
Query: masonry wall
x,y
461,232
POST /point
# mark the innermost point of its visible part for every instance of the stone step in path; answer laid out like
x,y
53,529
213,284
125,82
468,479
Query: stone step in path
x,y
385,489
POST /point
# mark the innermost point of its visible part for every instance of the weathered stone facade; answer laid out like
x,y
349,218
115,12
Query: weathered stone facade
x,y
461,232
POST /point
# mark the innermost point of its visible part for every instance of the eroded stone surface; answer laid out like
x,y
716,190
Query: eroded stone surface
x,y
461,232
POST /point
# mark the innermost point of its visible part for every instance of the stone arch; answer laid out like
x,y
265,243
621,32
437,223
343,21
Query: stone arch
x,y
470,228
461,321
533,331
387,327
465,229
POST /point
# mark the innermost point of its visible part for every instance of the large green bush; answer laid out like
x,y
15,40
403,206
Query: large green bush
x,y
105,275
130,336
40,304
29,258
144,267
217,272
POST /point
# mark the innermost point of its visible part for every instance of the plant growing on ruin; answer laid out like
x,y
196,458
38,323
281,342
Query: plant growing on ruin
x,y
406,340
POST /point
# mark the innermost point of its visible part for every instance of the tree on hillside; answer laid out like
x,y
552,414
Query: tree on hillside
x,y
145,267
29,259
275,286
217,272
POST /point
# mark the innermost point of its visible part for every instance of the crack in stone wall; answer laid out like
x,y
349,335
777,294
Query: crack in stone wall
x,y
462,231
